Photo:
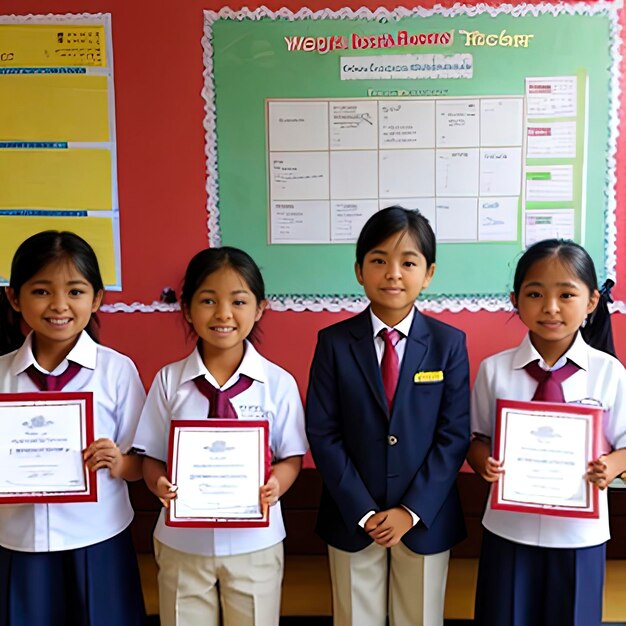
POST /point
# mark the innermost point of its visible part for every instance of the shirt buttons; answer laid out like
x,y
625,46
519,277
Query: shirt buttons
x,y
392,440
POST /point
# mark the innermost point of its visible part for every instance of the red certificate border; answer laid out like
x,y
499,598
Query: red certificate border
x,y
592,511
90,494
216,522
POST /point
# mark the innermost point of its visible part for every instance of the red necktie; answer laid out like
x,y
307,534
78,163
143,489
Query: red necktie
x,y
390,364
48,382
219,401
549,388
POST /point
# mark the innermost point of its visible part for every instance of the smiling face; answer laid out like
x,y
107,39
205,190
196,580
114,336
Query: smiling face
x,y
553,303
393,275
57,304
223,311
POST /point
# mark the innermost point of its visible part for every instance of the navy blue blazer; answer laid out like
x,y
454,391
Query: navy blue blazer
x,y
372,461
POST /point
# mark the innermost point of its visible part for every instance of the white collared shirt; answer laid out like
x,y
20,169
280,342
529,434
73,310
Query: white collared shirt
x,y
272,396
118,397
403,328
601,379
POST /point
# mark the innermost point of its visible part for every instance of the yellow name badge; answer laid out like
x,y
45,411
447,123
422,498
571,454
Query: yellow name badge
x,y
428,377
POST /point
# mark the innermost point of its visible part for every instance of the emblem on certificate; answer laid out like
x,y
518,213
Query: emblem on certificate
x,y
42,438
545,448
218,467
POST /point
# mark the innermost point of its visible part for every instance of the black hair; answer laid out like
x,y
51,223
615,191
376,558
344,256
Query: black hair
x,y
597,329
390,221
211,260
32,256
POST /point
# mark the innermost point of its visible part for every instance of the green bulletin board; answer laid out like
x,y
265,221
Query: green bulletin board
x,y
250,67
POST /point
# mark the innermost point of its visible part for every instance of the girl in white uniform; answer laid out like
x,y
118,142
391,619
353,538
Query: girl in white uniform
x,y
232,572
69,563
542,570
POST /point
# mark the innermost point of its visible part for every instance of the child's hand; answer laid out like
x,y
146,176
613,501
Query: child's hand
x,y
598,472
103,453
165,491
386,528
492,470
270,491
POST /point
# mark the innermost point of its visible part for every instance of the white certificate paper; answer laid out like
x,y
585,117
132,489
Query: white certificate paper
x,y
218,468
545,448
42,438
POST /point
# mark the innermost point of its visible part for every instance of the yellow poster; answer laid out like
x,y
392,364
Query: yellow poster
x,y
58,163
52,45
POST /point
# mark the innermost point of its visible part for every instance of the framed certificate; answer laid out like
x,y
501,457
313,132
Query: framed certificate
x,y
545,448
42,438
219,467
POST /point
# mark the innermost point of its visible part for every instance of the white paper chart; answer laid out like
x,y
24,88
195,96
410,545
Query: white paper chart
x,y
332,163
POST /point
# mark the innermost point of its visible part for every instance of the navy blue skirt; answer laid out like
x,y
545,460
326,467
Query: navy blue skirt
x,y
520,585
97,585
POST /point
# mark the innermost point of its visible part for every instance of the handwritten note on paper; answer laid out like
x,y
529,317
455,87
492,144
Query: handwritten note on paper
x,y
497,219
501,121
353,125
500,171
549,183
551,140
299,175
295,125
409,124
348,217
457,219
305,221
457,172
553,96
406,173
457,123
540,225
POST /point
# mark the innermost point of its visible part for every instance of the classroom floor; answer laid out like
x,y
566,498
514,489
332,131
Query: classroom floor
x,y
306,591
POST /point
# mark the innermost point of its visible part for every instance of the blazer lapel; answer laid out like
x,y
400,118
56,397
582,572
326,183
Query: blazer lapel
x,y
414,353
365,355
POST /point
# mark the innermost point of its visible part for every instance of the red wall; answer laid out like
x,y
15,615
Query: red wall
x,y
160,139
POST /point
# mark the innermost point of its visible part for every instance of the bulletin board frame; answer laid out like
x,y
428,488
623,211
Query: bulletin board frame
x,y
224,227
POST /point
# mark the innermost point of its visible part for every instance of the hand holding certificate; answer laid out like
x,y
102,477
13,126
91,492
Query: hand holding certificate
x,y
218,468
545,448
42,438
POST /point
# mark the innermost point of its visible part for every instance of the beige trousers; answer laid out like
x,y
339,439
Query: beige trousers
x,y
244,588
369,583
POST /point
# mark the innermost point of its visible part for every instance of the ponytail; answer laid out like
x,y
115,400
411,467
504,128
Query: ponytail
x,y
11,335
598,332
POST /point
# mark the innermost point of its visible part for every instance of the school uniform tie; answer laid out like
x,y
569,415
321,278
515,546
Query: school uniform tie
x,y
390,364
549,388
219,401
49,382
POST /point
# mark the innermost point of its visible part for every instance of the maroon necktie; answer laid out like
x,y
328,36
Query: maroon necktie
x,y
219,401
48,382
549,388
390,364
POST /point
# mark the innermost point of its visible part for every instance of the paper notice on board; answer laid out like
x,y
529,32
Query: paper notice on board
x,y
549,183
558,224
406,173
347,217
553,96
551,140
304,221
500,171
457,172
299,175
407,67
353,125
294,125
457,123
457,219
497,219
408,124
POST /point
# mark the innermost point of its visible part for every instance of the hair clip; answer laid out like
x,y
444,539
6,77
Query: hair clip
x,y
168,296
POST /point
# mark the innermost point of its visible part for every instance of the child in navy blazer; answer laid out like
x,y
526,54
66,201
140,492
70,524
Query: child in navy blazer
x,y
390,511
